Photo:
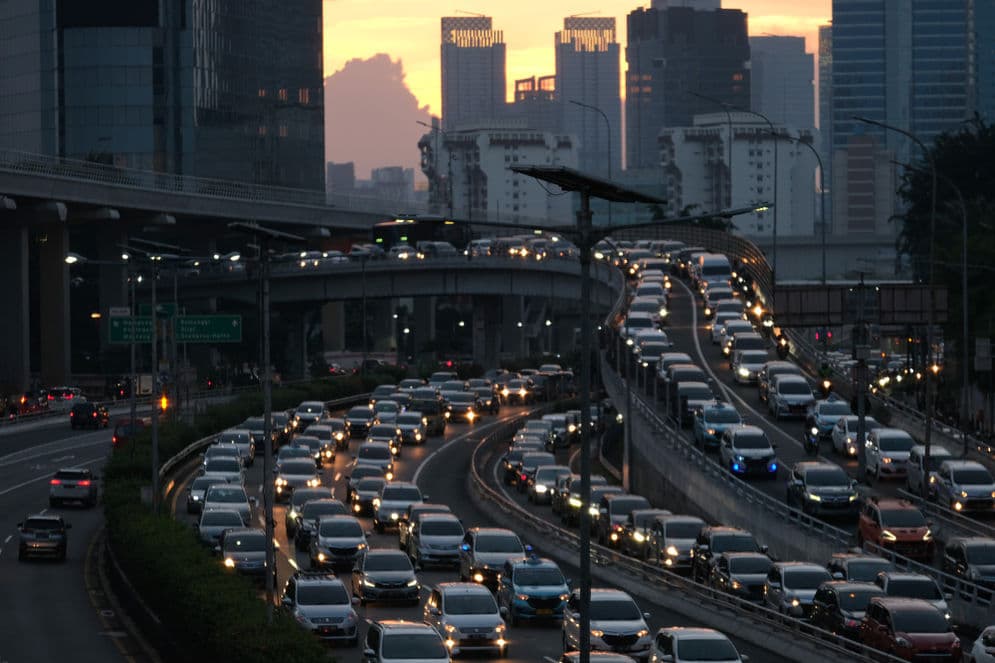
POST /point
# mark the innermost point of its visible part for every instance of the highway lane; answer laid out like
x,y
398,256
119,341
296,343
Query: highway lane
x,y
660,616
43,598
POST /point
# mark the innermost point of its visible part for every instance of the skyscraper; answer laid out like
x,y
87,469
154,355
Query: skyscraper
x,y
473,71
982,34
903,63
674,50
781,81
222,89
587,71
826,92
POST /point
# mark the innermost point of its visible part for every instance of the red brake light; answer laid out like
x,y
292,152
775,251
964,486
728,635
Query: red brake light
x,y
84,482
72,414
51,397
114,439
56,482
94,414
23,400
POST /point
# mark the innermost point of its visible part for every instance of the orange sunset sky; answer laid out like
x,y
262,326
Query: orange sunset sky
x,y
409,30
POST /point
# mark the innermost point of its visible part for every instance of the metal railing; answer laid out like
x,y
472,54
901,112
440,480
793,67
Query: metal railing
x,y
667,581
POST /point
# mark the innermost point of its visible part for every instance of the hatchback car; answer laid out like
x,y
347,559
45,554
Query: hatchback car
x,y
385,575
375,454
617,623
467,616
72,485
971,558
300,497
887,452
338,541
896,525
214,522
909,628
857,566
532,588
365,493
789,396
435,538
42,535
740,574
746,451
484,551
693,645
413,427
294,474
231,497
391,505
913,586
839,606
965,485
321,605
542,482
671,539
398,641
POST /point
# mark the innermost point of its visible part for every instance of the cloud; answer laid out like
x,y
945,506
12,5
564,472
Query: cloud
x,y
371,115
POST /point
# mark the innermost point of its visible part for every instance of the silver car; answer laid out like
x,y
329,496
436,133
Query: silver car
x,y
435,539
790,587
242,439
220,451
214,522
293,474
321,605
338,541
231,497
466,615
391,505
375,454
412,427
540,487
385,575
227,469
243,550
196,490
617,624
71,485
358,474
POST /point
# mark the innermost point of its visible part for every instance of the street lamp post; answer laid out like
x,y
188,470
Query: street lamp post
x,y
930,397
608,126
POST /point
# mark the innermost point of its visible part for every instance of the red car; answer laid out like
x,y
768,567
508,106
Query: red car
x,y
911,629
896,525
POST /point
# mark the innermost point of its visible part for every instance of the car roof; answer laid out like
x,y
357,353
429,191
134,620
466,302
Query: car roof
x,y
534,562
962,464
741,555
307,578
806,465
850,585
971,540
746,428
400,484
438,516
724,529
904,575
901,603
811,566
492,530
401,625
697,632
44,516
461,588
608,593
894,503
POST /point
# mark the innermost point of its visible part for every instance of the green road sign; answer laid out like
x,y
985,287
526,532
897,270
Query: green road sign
x,y
209,329
163,309
130,330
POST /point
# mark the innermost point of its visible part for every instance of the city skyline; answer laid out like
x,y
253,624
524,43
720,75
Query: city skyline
x,y
409,32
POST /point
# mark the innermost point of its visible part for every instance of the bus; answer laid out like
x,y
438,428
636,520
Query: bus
x,y
411,229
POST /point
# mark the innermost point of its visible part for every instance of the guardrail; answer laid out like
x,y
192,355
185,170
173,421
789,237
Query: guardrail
x,y
953,523
668,581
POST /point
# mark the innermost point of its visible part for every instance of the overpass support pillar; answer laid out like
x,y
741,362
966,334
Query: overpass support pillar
x,y
333,326
54,327
486,330
512,326
382,325
424,327
296,343
15,332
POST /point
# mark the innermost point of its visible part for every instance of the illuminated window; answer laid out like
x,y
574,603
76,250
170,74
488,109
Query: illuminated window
x,y
737,77
304,95
262,130
282,94
262,92
283,131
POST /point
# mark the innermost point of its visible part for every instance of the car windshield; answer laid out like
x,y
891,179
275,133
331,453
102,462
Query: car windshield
x,y
973,477
749,565
310,408
722,416
234,438
223,465
203,483
733,543
226,495
621,506
896,443
615,610
214,518
42,523
462,397
639,323
706,649
222,451
341,529
539,577
386,406
308,441
644,306
902,518
374,452
834,409
982,553
371,485
535,460
315,509
915,588
682,530
409,419
805,578
401,494
477,603
866,570
365,472
750,343
654,349
409,646
919,621
248,542
752,441
441,528
499,544
297,467
856,600
295,452
753,357
794,388
539,426
383,430
551,473
323,594
396,561
828,477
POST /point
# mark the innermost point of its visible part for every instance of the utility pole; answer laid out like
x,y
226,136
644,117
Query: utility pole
x,y
155,389
860,352
585,244
267,429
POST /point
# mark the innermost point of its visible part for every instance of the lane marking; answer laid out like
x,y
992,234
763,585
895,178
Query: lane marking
x,y
293,563
338,475
62,458
45,477
36,451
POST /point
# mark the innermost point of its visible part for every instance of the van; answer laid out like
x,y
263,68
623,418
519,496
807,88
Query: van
x,y
689,396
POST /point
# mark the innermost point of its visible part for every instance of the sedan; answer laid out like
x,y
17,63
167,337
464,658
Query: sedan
x,y
385,575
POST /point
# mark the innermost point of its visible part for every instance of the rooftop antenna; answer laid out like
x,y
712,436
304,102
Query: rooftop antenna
x,y
460,11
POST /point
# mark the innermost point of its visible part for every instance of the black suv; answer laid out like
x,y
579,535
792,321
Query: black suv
x,y
89,415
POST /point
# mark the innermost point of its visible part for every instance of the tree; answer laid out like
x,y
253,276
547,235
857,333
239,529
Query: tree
x,y
966,157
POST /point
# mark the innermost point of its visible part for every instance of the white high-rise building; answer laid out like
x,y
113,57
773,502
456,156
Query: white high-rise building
x,y
697,171
469,171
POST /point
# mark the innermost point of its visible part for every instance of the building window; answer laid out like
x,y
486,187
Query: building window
x,y
283,131
282,94
304,96
262,93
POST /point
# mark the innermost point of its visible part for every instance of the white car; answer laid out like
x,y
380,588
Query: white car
x,y
746,364
397,641
983,650
845,434
466,615
718,322
887,452
730,327
229,469
615,621
693,645
230,498
790,396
